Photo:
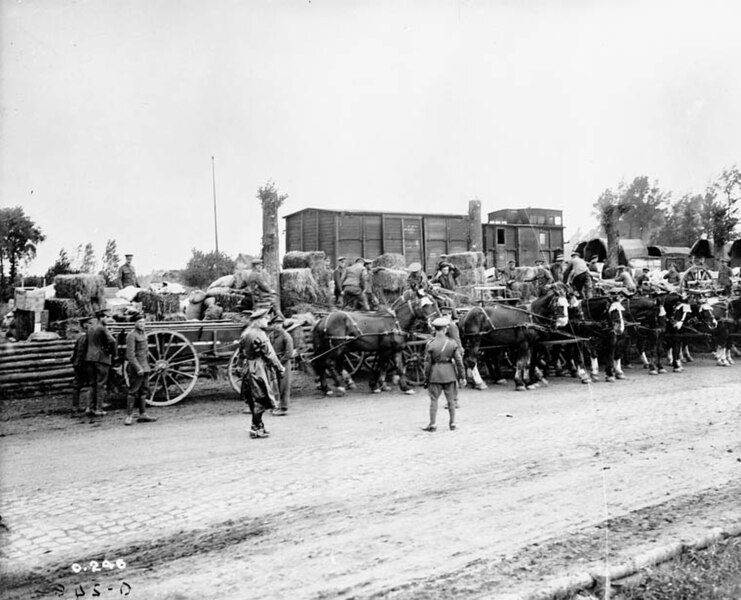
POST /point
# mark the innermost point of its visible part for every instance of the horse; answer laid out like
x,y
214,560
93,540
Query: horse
x,y
646,325
681,316
504,326
384,333
600,320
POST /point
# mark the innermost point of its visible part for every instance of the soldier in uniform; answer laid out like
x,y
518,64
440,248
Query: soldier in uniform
x,y
79,366
724,277
672,276
337,276
443,370
101,350
557,267
446,276
354,285
282,344
258,360
127,274
257,285
577,275
137,369
417,279
643,282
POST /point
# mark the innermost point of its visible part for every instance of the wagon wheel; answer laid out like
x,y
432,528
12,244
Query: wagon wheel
x,y
413,356
174,365
694,277
234,370
352,361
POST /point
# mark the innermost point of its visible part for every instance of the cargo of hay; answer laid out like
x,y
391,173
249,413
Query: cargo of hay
x,y
298,286
470,266
87,290
230,301
61,309
391,260
304,260
158,305
388,284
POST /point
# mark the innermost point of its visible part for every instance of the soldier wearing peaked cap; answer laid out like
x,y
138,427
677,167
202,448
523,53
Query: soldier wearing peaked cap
x,y
446,276
137,370
79,366
282,343
443,370
127,274
354,285
417,279
337,275
101,350
577,275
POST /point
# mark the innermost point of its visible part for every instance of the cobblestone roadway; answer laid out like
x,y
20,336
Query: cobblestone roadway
x,y
360,471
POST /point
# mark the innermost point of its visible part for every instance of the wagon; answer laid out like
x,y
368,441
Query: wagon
x,y
179,351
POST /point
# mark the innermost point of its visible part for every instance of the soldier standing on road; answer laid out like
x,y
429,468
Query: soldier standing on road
x,y
101,350
79,353
443,370
282,343
258,358
337,275
127,274
137,369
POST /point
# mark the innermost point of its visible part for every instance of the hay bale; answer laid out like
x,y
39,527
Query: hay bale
x,y
158,305
61,309
388,284
391,261
227,281
303,260
87,290
320,270
298,286
471,267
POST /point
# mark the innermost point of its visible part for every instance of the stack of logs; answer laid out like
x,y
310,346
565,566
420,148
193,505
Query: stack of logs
x,y
32,368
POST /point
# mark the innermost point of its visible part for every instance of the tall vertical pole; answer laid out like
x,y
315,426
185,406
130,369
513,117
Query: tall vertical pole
x,y
216,227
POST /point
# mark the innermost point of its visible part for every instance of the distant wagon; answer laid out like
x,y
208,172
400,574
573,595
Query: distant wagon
x,y
667,255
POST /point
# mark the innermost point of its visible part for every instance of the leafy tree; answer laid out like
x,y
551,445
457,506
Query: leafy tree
x,y
111,262
62,266
646,215
610,207
88,259
19,237
720,207
683,221
202,268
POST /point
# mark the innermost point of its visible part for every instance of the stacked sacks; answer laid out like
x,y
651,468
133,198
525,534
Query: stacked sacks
x,y
88,291
388,284
225,295
321,273
194,308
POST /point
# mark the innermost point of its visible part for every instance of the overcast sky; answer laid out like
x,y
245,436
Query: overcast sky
x,y
111,110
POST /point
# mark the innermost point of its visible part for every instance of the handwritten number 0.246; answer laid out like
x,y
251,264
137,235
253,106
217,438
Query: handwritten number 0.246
x,y
96,567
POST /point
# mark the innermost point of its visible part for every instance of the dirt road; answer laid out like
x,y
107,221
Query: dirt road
x,y
349,498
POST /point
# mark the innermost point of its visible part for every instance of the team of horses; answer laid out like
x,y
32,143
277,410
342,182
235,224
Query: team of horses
x,y
557,333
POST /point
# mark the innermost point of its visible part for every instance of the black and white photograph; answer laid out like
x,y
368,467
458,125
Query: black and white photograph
x,y
370,300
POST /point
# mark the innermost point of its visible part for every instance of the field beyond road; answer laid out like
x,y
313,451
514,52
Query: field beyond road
x,y
350,498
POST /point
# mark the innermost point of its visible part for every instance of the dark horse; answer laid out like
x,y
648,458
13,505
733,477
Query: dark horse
x,y
502,326
647,320
682,317
384,333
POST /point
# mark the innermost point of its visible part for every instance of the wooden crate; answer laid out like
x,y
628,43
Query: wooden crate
x,y
29,299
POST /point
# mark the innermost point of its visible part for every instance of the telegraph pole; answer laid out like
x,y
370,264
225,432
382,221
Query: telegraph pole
x,y
216,227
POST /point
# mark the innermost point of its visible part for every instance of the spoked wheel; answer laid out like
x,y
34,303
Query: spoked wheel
x,y
352,361
413,356
697,276
174,365
234,370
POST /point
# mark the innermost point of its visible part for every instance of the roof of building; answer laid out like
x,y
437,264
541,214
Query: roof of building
x,y
379,212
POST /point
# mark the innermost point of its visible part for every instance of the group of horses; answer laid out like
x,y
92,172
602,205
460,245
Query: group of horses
x,y
556,333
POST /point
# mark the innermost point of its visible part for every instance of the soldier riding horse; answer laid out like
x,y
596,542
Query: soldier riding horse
x,y
384,333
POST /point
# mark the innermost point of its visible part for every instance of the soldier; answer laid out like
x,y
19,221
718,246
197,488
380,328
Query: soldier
x,y
337,276
672,276
258,359
127,274
724,277
282,344
368,289
258,286
643,282
137,369
510,270
417,279
101,350
79,366
577,275
593,268
557,267
354,285
443,370
625,279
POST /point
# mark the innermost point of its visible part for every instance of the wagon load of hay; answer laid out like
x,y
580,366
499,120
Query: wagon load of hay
x,y
88,291
298,286
320,271
470,266
61,309
391,260
158,305
388,284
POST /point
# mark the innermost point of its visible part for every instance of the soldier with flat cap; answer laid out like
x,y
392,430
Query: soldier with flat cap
x,y
137,370
446,276
101,350
417,279
258,286
127,274
443,370
354,286
258,359
79,366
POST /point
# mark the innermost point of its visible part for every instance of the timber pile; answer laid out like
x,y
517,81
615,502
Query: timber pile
x,y
388,284
35,368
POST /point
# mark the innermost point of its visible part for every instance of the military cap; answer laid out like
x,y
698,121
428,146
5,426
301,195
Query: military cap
x,y
415,267
257,261
576,253
446,264
339,258
559,256
135,316
595,258
259,313
440,322
278,318
128,255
